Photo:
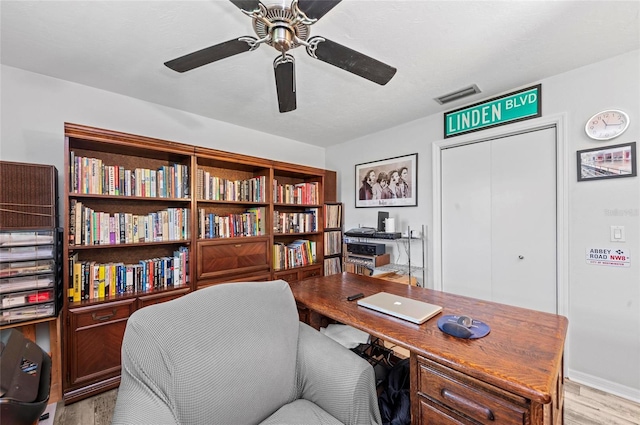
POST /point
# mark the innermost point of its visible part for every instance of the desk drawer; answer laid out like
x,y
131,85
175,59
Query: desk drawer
x,y
469,397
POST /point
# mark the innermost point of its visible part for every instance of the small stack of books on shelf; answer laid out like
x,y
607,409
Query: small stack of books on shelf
x,y
298,194
250,223
332,216
220,189
298,253
332,242
295,222
332,266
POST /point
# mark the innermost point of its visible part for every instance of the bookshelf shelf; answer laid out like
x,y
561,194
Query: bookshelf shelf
x,y
121,198
128,245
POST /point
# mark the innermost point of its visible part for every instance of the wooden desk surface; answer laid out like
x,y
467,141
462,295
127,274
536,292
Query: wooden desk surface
x,y
521,354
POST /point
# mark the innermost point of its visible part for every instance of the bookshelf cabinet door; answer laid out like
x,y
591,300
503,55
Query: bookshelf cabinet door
x,y
95,340
232,256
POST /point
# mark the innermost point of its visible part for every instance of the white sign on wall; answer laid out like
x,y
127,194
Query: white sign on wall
x,y
615,257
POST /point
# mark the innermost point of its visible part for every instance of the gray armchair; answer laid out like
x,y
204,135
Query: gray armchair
x,y
236,353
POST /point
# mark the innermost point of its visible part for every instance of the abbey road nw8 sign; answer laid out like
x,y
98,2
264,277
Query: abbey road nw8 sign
x,y
517,106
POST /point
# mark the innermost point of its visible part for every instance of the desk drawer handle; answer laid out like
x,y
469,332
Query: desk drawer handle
x,y
479,409
103,318
238,245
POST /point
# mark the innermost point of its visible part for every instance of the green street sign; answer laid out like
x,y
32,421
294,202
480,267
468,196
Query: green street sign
x,y
517,106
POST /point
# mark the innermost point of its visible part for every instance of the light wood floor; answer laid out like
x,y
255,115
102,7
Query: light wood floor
x,y
587,406
582,406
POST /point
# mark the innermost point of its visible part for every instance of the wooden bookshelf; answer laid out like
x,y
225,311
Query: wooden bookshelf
x,y
229,233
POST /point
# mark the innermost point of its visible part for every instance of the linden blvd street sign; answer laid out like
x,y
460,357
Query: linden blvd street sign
x,y
517,106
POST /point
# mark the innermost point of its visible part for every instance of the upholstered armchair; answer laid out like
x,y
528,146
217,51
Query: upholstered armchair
x,y
236,353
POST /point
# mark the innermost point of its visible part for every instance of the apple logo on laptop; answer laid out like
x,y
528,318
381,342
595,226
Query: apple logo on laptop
x,y
397,303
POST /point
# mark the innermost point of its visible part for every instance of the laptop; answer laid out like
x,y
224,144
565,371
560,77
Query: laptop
x,y
404,308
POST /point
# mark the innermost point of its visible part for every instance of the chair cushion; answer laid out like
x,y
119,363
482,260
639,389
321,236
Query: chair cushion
x,y
301,412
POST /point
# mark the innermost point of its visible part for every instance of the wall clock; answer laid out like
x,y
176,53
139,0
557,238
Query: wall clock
x,y
607,124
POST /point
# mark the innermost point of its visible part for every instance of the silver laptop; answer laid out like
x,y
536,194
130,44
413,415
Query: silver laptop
x,y
404,308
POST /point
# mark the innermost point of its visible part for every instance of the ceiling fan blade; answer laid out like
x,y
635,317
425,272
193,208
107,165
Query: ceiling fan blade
x,y
248,5
211,54
316,9
284,69
355,62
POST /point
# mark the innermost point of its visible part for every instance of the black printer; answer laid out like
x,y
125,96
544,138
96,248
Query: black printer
x,y
25,378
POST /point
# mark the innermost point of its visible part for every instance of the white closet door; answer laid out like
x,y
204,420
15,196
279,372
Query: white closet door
x,y
523,199
466,220
499,220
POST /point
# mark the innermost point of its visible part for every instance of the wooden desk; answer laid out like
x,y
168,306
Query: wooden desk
x,y
514,375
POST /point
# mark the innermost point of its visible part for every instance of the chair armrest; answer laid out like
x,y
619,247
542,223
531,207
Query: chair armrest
x,y
336,379
140,401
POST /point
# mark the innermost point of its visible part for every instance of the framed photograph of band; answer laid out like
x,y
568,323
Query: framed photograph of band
x,y
391,182
607,162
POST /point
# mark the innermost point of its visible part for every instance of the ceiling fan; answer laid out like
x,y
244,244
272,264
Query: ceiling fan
x,y
285,28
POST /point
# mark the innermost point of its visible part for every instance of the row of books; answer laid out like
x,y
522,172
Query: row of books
x,y
215,188
298,253
93,176
295,222
332,215
332,266
299,194
90,280
89,227
250,223
332,242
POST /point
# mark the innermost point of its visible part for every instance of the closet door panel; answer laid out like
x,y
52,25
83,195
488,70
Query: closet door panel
x,y
523,221
466,220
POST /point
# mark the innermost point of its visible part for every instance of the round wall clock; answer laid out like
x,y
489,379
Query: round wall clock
x,y
607,124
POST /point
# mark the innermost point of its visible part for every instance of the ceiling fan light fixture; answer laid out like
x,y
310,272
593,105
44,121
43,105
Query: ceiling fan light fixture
x,y
281,37
458,94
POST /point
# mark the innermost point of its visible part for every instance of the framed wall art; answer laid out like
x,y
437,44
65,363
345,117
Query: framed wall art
x,y
607,162
391,182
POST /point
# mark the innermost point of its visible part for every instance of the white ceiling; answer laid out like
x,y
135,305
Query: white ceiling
x,y
437,47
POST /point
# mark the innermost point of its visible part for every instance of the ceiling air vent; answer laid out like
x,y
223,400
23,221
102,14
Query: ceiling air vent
x,y
458,94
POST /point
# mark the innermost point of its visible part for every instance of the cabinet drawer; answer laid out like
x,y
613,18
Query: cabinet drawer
x,y
432,415
26,268
25,283
94,342
97,314
468,396
232,256
313,272
289,276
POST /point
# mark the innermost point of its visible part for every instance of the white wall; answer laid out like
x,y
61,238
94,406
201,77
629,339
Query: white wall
x,y
603,345
35,107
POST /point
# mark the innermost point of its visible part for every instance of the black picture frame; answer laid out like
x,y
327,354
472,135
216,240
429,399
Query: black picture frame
x,y
607,162
373,192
